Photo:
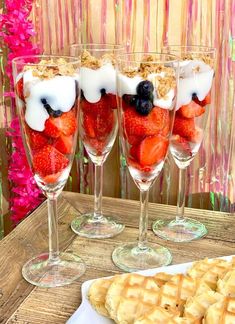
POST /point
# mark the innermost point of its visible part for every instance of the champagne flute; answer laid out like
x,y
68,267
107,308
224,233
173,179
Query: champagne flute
x,y
98,127
47,99
192,109
146,86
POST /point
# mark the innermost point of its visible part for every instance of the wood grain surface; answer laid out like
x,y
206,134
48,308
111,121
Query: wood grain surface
x,y
23,303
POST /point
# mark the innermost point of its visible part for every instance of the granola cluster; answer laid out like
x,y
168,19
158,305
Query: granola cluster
x,y
207,59
164,80
48,69
89,61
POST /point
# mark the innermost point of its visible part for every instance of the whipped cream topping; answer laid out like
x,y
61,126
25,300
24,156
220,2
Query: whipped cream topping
x,y
92,81
59,92
195,77
129,85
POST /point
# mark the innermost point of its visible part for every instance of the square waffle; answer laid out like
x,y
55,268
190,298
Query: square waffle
x,y
222,312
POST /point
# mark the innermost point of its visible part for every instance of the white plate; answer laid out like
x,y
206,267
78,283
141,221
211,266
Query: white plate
x,y
86,314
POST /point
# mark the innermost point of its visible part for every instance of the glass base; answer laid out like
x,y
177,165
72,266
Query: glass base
x,y
184,230
131,258
42,272
102,227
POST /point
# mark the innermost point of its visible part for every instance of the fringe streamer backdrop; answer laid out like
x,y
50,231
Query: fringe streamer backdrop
x,y
148,25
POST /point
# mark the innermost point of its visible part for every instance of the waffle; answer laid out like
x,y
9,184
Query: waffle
x,y
97,294
222,312
196,306
161,278
130,296
226,285
176,291
157,315
209,270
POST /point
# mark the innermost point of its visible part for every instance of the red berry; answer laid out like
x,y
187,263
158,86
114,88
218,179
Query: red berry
x,y
98,126
151,150
102,107
19,88
184,127
36,139
181,144
152,124
191,110
49,160
66,124
64,144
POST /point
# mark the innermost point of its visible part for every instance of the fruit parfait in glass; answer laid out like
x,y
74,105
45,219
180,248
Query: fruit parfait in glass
x,y
192,110
146,86
98,125
47,99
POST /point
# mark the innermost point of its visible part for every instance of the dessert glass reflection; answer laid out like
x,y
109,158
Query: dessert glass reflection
x,y
146,86
98,125
47,99
193,105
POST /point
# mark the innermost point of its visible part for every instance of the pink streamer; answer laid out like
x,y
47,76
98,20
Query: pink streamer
x,y
16,32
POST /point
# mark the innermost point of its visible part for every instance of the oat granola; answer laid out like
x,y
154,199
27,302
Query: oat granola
x,y
48,69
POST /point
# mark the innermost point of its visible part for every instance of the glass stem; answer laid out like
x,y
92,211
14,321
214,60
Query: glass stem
x,y
98,192
53,229
181,194
143,224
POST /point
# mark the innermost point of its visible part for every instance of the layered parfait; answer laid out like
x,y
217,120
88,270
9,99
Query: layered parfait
x,y
192,108
47,95
98,113
147,97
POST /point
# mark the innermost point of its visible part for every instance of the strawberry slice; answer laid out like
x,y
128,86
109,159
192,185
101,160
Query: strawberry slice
x,y
102,107
133,163
197,135
181,144
184,127
49,160
20,89
205,101
64,144
66,124
98,126
191,110
52,178
151,150
139,125
36,139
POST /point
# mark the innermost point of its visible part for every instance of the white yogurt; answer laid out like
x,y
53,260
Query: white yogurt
x,y
166,102
92,81
193,81
59,92
128,85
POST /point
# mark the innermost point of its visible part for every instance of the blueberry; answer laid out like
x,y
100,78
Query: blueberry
x,y
103,91
51,112
129,99
194,96
57,113
143,106
145,89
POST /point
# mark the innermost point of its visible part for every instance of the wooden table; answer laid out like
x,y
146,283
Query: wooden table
x,y
21,302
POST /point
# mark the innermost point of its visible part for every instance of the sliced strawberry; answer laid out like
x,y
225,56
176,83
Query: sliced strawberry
x,y
20,89
139,125
96,145
191,110
52,178
36,139
151,150
64,144
64,125
197,135
134,140
98,126
205,101
184,127
133,163
112,100
49,160
181,144
102,107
